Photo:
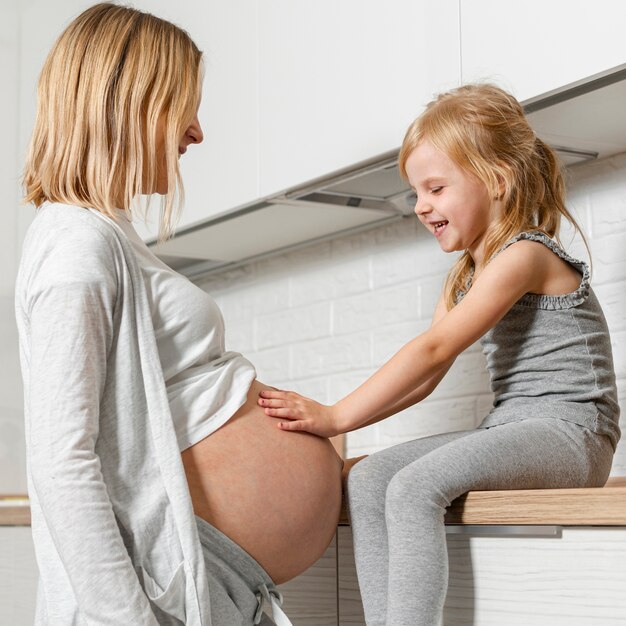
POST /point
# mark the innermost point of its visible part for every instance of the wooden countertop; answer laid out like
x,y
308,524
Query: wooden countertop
x,y
14,511
603,506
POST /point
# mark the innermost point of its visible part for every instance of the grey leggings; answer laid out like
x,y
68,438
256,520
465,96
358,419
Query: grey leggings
x,y
398,497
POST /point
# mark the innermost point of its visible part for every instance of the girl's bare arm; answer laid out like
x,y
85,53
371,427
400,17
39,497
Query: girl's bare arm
x,y
514,272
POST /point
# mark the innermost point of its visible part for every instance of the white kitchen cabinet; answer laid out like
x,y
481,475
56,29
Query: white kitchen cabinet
x,y
18,576
297,90
576,579
339,82
292,90
535,46
222,172
311,598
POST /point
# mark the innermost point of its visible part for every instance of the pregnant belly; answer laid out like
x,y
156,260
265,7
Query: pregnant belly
x,y
275,493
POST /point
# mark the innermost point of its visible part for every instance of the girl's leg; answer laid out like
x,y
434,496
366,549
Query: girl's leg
x,y
530,454
367,487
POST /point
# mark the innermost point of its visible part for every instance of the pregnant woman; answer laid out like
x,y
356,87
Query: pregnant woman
x,y
160,491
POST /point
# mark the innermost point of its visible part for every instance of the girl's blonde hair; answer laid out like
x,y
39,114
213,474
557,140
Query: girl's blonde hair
x,y
111,78
483,129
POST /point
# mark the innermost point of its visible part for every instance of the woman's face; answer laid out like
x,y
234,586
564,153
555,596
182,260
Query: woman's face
x,y
193,134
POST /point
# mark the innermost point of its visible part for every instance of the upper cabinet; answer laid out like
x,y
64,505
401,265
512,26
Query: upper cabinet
x,y
296,90
222,172
535,46
292,90
339,82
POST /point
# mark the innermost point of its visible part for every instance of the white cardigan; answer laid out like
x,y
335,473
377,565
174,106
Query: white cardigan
x,y
112,520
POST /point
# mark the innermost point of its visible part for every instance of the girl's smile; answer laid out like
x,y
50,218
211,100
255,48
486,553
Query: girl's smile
x,y
439,228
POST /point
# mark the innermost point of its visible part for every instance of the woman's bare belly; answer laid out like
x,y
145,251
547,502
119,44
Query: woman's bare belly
x,y
275,493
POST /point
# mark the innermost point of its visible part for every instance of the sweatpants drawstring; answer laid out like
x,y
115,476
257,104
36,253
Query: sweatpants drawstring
x,y
275,599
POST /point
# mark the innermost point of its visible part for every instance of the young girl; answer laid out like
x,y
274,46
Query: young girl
x,y
486,186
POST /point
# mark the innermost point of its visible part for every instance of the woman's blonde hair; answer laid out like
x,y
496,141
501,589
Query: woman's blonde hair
x,y
483,129
111,78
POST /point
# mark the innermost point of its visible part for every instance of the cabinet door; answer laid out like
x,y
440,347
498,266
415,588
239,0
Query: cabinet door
x,y
576,579
349,602
535,46
339,82
18,576
311,598
222,172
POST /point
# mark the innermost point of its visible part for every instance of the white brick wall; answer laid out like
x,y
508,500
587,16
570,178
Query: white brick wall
x,y
322,319
12,447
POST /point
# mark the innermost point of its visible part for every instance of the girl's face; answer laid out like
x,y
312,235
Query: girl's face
x,y
193,134
454,206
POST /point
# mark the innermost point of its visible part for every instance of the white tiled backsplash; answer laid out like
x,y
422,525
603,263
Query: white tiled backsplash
x,y
320,320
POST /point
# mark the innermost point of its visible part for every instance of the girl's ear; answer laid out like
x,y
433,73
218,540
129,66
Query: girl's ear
x,y
501,188
501,185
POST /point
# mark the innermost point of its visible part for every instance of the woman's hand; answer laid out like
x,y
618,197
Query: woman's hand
x,y
299,413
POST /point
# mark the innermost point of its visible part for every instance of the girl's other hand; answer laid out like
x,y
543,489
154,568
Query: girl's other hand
x,y
299,413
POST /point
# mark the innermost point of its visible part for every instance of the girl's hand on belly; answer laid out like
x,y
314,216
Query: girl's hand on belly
x,y
302,413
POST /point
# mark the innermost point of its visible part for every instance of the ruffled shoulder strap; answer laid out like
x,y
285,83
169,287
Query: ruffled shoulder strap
x,y
543,301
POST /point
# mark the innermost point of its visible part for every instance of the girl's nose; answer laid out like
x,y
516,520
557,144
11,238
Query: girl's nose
x,y
422,208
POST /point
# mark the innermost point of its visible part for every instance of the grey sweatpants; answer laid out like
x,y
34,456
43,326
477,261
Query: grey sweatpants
x,y
238,585
398,497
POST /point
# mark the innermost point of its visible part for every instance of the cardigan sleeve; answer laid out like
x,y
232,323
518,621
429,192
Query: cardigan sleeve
x,y
69,298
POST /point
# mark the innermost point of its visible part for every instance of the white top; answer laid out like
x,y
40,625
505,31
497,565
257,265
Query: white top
x,y
205,383
112,521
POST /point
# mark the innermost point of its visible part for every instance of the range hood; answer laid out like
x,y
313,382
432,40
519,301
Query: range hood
x,y
582,121
368,194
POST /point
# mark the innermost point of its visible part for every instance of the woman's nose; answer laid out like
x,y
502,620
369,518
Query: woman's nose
x,y
194,132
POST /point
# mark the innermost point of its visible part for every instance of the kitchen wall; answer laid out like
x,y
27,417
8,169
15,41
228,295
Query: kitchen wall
x,y
28,29
12,455
320,320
